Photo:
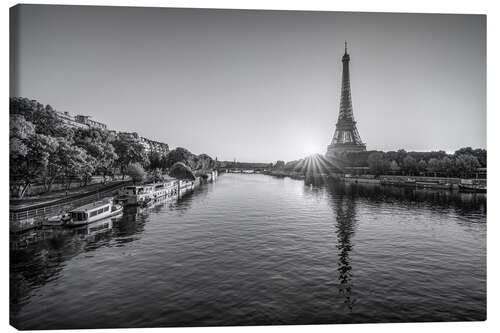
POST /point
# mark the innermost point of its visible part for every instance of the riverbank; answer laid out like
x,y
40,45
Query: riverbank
x,y
283,173
473,185
29,214
470,185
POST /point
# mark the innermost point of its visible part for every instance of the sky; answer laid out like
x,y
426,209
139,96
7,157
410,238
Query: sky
x,y
257,86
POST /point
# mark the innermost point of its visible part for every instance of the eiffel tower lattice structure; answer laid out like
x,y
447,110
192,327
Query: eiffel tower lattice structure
x,y
346,137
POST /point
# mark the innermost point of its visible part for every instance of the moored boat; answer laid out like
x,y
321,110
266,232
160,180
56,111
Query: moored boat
x,y
472,185
93,212
434,185
137,195
472,188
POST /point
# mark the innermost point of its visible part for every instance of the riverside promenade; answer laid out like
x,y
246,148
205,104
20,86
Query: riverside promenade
x,y
25,214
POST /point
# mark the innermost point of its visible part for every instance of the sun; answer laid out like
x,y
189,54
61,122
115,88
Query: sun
x,y
311,149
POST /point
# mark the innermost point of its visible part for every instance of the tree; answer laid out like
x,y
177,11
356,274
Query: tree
x,y
27,154
64,159
20,131
279,165
194,162
78,164
181,171
155,160
378,164
434,166
136,172
205,162
129,150
43,117
97,143
36,137
446,166
466,164
156,176
422,166
409,165
480,154
394,167
400,156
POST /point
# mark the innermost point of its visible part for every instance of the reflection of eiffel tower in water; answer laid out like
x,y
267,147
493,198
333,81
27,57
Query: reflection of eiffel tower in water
x,y
346,213
346,137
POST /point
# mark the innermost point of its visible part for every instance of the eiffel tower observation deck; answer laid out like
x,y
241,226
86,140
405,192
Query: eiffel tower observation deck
x,y
346,137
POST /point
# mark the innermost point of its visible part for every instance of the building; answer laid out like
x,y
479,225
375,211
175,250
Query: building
x,y
89,122
148,144
346,137
69,120
79,121
151,146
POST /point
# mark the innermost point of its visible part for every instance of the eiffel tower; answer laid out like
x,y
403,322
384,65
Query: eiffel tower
x,y
346,137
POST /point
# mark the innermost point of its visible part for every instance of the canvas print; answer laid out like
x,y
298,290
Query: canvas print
x,y
212,167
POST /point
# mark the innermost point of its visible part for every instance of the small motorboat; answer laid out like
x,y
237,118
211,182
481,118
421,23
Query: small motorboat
x,y
57,220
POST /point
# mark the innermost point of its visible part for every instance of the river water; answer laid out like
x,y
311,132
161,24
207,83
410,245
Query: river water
x,y
254,249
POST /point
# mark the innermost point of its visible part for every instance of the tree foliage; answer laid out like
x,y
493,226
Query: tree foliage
x,y
279,165
181,171
378,164
463,163
129,150
136,172
201,162
98,144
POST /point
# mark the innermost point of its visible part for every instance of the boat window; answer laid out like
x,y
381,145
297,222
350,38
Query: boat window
x,y
93,213
78,216
100,211
105,209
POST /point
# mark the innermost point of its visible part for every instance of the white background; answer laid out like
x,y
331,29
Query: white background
x,y
421,6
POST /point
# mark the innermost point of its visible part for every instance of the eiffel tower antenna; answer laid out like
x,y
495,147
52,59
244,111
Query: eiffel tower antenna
x,y
346,137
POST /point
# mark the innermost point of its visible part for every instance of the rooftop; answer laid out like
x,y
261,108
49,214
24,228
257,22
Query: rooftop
x,y
96,204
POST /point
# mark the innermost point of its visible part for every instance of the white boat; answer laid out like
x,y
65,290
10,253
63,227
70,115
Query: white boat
x,y
140,194
93,212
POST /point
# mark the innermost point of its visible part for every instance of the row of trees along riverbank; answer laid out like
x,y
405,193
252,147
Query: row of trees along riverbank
x,y
463,163
43,150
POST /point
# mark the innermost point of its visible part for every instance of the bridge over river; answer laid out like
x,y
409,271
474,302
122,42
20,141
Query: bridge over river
x,y
313,165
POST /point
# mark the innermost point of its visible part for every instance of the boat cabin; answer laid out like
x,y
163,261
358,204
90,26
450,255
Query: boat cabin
x,y
138,190
92,212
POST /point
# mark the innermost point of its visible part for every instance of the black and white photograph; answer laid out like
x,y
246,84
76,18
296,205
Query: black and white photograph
x,y
194,167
